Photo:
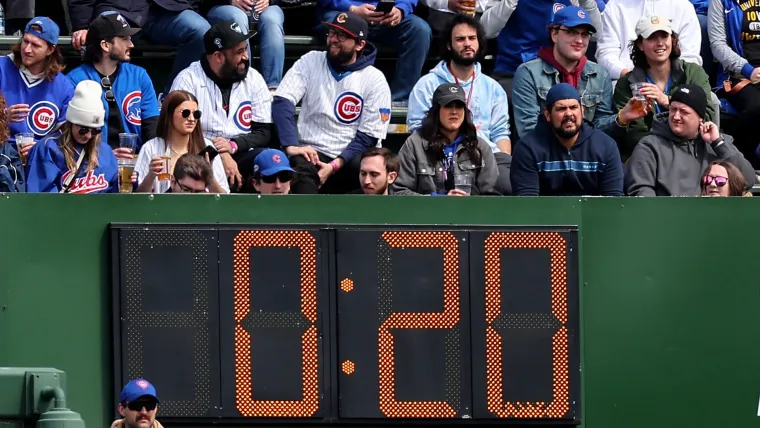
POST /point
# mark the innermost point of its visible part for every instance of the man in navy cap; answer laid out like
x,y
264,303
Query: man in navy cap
x,y
36,93
138,405
563,155
272,173
564,60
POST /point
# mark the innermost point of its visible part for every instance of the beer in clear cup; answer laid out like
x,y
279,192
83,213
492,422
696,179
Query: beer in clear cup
x,y
468,3
166,170
126,169
640,100
23,139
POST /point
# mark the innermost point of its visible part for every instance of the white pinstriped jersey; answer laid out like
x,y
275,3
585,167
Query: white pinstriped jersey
x,y
333,110
250,101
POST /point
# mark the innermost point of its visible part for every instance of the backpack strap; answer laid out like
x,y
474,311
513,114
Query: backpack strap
x,y
66,186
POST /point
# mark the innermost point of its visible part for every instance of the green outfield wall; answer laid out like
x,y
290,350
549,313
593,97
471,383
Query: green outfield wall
x,y
670,292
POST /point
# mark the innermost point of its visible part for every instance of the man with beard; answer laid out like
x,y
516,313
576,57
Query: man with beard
x,y
565,156
564,60
670,161
36,93
345,108
235,100
131,105
378,170
463,45
138,405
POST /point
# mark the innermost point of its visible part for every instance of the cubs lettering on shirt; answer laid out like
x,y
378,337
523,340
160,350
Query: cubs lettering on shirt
x,y
133,91
47,100
333,110
250,101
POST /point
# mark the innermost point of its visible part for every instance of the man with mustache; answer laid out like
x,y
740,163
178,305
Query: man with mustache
x,y
235,100
564,60
563,155
138,405
463,45
378,170
345,108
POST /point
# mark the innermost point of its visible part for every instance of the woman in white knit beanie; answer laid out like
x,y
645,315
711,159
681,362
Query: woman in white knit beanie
x,y
76,160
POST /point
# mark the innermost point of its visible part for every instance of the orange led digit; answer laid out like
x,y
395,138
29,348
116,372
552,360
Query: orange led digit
x,y
447,319
560,404
246,404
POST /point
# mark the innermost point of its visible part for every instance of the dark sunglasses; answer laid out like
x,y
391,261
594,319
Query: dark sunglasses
x,y
138,405
105,82
719,181
187,112
83,130
284,177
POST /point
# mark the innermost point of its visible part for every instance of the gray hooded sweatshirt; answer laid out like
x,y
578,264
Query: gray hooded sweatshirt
x,y
663,164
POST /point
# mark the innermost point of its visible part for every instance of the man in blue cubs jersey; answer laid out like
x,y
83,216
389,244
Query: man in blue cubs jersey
x,y
36,93
128,95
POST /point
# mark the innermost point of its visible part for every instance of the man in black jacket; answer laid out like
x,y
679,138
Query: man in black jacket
x,y
165,22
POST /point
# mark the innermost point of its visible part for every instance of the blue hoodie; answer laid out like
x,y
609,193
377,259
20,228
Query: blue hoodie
x,y
525,32
542,166
488,103
47,169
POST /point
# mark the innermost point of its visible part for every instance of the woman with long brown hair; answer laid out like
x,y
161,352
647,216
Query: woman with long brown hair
x,y
178,132
76,160
446,156
722,178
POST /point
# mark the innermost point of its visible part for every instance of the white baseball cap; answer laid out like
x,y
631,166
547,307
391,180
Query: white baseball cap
x,y
649,25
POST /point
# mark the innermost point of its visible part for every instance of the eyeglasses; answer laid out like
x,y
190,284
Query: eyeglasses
x,y
186,189
284,177
341,36
83,130
187,112
575,33
105,82
136,406
718,180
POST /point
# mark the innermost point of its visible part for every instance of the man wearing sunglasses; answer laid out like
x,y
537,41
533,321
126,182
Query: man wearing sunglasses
x,y
128,95
670,161
272,173
138,405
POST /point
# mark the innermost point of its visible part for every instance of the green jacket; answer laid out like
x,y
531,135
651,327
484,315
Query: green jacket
x,y
682,73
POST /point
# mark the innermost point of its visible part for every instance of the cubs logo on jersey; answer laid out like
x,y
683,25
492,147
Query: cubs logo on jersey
x,y
86,184
130,107
558,6
348,107
42,117
243,115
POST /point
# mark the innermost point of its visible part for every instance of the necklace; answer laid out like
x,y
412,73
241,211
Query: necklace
x,y
176,152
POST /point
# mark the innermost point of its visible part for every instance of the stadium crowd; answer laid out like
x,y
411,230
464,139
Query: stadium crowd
x,y
586,97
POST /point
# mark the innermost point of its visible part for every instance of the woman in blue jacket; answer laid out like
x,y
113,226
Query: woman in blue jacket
x,y
76,160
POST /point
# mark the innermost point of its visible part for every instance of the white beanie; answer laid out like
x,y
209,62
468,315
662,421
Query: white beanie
x,y
86,107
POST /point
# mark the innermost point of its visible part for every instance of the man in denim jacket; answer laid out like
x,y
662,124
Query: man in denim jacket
x,y
564,61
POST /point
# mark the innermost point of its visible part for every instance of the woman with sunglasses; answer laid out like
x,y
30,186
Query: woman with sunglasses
x,y
76,160
722,178
179,132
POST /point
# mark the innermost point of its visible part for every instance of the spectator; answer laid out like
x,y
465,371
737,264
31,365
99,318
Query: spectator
x,y
658,67
670,160
708,62
179,132
130,104
272,173
521,29
192,174
564,156
717,175
270,29
735,42
378,170
31,80
408,33
345,107
165,22
463,46
11,168
620,20
564,60
446,151
17,14
240,123
76,160
138,405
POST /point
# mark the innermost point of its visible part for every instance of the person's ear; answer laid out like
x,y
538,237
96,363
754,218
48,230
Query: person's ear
x,y
392,176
